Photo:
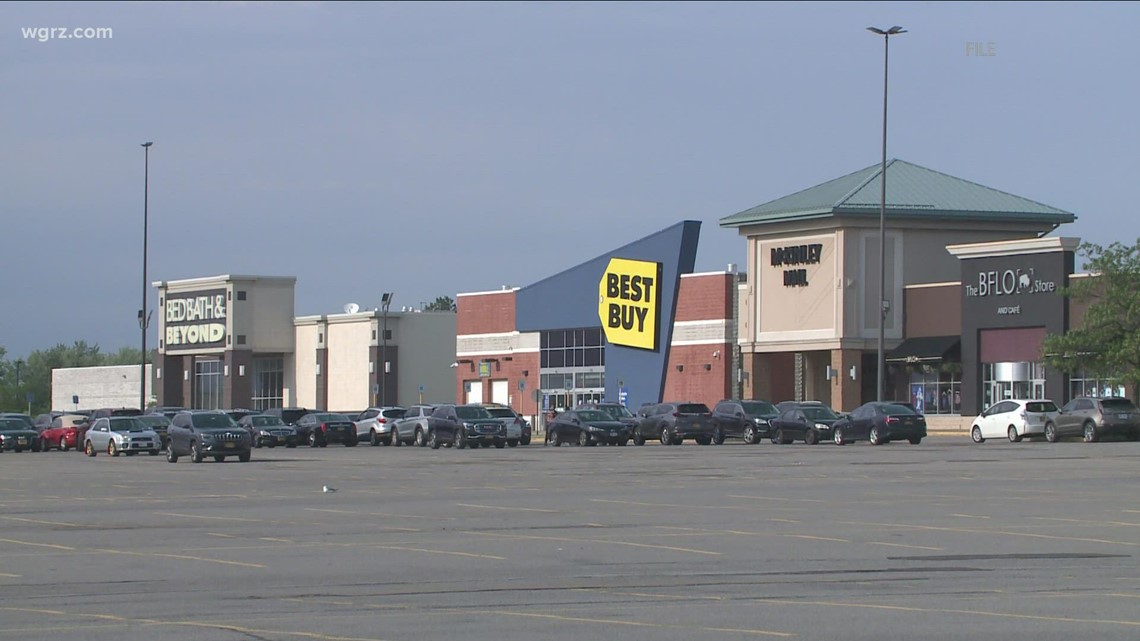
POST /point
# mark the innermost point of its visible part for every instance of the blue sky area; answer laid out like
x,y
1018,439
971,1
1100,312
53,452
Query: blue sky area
x,y
429,149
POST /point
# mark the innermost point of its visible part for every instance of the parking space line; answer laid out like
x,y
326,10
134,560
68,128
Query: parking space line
x,y
467,554
39,545
997,532
225,536
8,575
37,521
212,518
970,516
814,538
774,498
499,507
673,505
642,624
578,540
1084,521
184,557
904,608
384,514
901,545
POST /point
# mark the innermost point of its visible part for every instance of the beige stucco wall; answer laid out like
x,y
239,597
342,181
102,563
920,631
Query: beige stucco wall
x,y
349,338
305,365
796,313
271,302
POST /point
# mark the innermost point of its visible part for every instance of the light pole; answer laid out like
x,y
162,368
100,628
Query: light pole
x,y
385,301
144,315
883,304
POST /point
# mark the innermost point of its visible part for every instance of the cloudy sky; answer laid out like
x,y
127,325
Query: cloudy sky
x,y
430,149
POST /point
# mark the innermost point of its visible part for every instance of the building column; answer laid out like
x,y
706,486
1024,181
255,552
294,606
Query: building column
x,y
846,394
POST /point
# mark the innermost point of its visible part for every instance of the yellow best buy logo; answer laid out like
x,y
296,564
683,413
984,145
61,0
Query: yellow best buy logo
x,y
629,302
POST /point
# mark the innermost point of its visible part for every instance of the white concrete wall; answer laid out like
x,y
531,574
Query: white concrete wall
x,y
348,342
97,387
427,349
272,304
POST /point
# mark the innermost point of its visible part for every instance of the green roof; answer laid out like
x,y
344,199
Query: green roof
x,y
912,192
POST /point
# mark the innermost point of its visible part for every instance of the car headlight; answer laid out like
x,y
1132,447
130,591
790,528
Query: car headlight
x,y
594,428
821,426
760,421
207,437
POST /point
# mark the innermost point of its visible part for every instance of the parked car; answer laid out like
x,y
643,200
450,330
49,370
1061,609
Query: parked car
x,y
321,428
117,435
588,427
617,412
160,424
24,418
518,428
166,410
202,433
63,434
749,421
269,431
375,426
880,423
1095,418
106,412
413,426
465,426
809,422
15,435
43,421
238,414
1016,419
672,423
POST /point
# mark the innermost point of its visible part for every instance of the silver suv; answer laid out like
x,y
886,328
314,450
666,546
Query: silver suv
x,y
1095,418
375,425
414,426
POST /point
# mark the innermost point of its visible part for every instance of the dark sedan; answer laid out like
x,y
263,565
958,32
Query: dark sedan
x,y
880,423
588,427
320,429
749,421
15,435
269,431
809,423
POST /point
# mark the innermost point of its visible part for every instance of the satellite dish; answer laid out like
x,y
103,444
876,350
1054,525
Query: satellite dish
x,y
351,308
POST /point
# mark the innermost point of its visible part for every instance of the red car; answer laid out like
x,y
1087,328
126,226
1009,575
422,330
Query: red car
x,y
63,433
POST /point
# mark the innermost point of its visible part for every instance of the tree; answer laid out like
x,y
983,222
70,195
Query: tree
x,y
441,304
35,372
1107,342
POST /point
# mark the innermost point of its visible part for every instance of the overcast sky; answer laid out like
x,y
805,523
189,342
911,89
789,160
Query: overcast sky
x,y
431,149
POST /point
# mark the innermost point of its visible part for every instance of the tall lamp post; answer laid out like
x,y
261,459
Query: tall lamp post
x,y
884,305
385,301
144,315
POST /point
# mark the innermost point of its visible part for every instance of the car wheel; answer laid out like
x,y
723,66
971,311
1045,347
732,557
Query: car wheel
x,y
244,458
474,444
704,440
420,440
500,443
312,439
433,441
63,445
784,438
976,434
512,442
89,449
153,452
837,436
718,436
811,437
750,435
875,437
44,445
351,442
218,458
666,438
583,438
171,457
196,455
257,442
1090,432
554,438
638,439
1012,434
623,442
1050,432
323,444
395,437
373,438
915,440
460,438
525,440
112,449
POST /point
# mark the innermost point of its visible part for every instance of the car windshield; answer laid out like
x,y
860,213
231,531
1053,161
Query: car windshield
x,y
266,421
26,420
760,408
594,415
819,413
213,420
126,424
893,409
11,425
617,411
154,421
394,413
1117,405
693,408
291,416
468,412
1040,406
501,412
329,418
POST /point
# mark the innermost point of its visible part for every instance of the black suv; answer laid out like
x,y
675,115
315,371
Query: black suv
x,y
465,426
318,429
202,433
746,420
672,423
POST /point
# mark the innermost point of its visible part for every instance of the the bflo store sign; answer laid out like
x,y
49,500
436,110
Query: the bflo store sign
x,y
996,284
195,320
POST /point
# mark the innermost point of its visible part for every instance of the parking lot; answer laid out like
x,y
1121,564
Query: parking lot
x,y
943,540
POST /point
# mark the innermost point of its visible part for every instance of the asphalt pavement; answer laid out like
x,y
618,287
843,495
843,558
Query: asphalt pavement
x,y
942,540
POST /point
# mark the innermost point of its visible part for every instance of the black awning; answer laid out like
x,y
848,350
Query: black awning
x,y
927,349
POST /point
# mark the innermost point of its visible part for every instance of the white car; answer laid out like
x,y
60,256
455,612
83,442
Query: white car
x,y
375,425
1014,419
121,434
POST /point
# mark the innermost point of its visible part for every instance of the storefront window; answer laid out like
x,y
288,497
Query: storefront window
x,y
208,384
572,367
1086,384
268,382
1021,380
936,391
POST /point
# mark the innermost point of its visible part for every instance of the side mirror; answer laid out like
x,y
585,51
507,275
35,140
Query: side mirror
x,y
577,422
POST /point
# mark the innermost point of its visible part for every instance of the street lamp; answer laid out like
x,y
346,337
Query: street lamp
x,y
144,315
884,305
385,301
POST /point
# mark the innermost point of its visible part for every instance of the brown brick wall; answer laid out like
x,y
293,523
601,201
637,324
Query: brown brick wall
x,y
694,382
705,297
511,370
485,313
933,311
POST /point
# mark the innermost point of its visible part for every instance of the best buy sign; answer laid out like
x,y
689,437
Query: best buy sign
x,y
629,302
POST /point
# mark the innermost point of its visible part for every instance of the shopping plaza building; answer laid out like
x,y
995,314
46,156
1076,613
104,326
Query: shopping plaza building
x,y
972,278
